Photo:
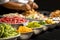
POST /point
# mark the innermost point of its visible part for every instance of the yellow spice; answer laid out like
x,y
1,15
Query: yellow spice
x,y
23,29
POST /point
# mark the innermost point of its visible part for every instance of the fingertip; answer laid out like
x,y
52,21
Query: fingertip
x,y
28,7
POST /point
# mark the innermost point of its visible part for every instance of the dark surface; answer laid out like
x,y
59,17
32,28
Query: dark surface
x,y
53,34
4,10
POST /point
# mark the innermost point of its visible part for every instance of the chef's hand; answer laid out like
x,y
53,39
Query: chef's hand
x,y
17,6
33,5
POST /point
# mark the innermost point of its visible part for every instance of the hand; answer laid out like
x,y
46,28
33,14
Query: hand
x,y
33,5
17,6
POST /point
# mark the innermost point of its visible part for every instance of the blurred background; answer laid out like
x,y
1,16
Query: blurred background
x,y
44,5
48,5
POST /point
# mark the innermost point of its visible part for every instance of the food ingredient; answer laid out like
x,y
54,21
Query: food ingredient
x,y
42,22
24,29
7,31
49,21
55,14
13,20
33,24
32,14
13,15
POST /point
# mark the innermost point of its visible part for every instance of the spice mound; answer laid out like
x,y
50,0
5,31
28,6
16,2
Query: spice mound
x,y
24,29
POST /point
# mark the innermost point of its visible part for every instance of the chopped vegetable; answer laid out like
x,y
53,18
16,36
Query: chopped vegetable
x,y
1,30
49,21
55,14
23,29
13,20
7,31
13,15
42,22
32,14
33,25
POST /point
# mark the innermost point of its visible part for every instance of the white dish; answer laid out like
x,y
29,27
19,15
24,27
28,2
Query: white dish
x,y
13,37
26,35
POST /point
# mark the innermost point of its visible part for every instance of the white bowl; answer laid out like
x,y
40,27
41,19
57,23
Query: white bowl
x,y
16,25
50,26
44,28
37,30
58,25
10,38
26,35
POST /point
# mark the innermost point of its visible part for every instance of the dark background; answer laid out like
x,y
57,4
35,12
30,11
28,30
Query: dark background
x,y
53,34
48,5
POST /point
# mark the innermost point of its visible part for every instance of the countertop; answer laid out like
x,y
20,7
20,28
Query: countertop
x,y
53,34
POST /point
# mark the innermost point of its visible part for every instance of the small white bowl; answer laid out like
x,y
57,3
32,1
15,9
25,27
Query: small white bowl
x,y
26,35
11,38
58,25
16,25
51,26
26,23
37,30
44,28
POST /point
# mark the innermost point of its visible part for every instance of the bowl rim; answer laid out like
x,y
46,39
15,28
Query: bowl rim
x,y
51,24
11,37
26,32
12,23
